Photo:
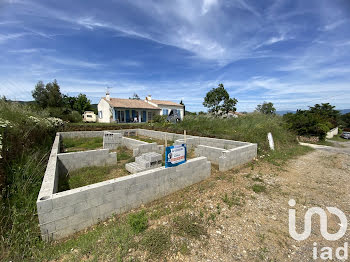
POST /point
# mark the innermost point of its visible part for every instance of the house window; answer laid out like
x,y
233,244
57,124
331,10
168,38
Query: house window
x,y
150,116
100,114
120,116
165,112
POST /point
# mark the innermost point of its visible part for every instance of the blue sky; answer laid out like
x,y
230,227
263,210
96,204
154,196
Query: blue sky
x,y
292,53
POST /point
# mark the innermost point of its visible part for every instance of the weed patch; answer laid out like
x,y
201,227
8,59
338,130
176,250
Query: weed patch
x,y
82,143
138,221
156,241
257,188
189,225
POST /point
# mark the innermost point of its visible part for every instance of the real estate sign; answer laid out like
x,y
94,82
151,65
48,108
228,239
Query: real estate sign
x,y
175,155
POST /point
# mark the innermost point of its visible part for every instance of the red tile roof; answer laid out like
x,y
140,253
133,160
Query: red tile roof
x,y
130,103
163,102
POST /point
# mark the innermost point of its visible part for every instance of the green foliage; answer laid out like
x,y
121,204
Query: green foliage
x,y
258,188
138,221
74,117
266,108
58,105
345,120
82,104
308,123
159,119
49,95
218,101
326,111
27,138
250,128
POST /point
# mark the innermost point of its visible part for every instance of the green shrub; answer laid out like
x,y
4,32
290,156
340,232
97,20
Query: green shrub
x,y
306,123
138,221
75,117
159,118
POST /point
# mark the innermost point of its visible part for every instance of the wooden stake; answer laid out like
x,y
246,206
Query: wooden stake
x,y
166,141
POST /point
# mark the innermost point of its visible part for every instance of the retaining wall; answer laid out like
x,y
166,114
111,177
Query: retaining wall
x,y
67,212
76,160
332,132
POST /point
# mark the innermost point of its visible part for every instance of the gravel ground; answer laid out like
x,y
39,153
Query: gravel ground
x,y
255,227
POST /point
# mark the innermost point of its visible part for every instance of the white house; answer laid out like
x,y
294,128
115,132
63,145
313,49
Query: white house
x,y
166,106
131,110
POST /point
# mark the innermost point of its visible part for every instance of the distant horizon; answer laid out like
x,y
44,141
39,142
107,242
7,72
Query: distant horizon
x,y
291,53
205,109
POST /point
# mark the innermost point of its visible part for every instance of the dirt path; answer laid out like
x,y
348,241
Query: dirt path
x,y
255,227
241,215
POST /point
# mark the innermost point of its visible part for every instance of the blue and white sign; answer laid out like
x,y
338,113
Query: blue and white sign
x,y
175,155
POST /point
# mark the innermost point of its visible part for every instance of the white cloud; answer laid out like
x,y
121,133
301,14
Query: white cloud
x,y
207,4
334,25
7,37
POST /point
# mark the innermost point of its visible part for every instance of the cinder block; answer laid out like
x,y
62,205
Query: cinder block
x,y
44,206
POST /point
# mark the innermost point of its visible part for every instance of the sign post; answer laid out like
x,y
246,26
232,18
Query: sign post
x,y
175,155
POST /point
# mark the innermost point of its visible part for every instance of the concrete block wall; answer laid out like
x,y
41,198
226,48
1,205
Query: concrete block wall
x,y
50,180
149,147
76,160
211,153
191,142
67,212
141,147
237,156
111,140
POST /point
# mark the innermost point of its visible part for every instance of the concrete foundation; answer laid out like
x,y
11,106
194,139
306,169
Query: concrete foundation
x,y
63,213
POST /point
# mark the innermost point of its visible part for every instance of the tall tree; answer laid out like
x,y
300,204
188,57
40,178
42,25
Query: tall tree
x,y
54,96
135,97
266,108
40,94
218,101
49,95
326,111
82,103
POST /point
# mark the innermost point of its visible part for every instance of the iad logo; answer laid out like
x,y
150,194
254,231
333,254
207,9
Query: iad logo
x,y
326,252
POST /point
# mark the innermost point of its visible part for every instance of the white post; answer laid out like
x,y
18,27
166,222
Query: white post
x,y
271,143
185,136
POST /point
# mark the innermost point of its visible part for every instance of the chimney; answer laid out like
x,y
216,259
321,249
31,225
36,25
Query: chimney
x,y
149,97
108,97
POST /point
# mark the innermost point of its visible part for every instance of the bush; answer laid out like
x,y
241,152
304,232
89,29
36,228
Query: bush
x,y
138,221
306,123
159,118
74,117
